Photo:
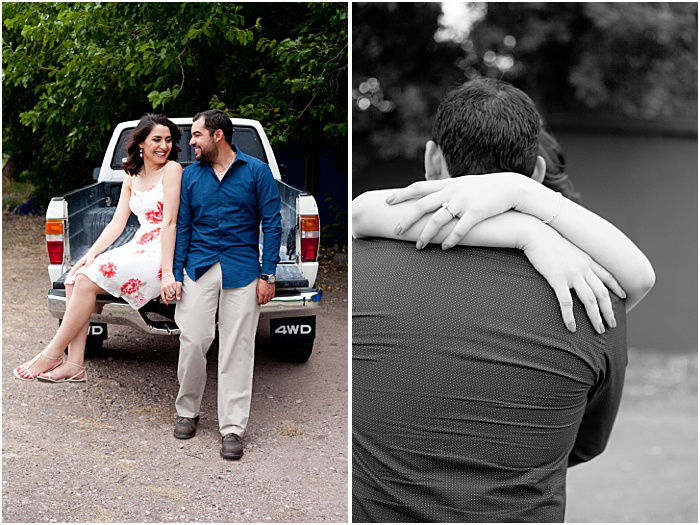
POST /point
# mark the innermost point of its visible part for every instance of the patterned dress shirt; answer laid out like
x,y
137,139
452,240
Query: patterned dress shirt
x,y
469,396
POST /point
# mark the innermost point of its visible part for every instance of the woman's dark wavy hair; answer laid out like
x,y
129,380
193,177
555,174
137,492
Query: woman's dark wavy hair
x,y
555,177
134,162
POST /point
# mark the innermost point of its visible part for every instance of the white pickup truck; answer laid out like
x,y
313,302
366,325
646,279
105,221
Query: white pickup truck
x,y
75,220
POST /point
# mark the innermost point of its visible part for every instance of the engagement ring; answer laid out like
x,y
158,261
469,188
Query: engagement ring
x,y
446,205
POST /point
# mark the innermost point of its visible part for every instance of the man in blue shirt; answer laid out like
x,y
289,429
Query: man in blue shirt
x,y
225,197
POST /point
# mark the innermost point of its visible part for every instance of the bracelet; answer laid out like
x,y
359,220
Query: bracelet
x,y
556,213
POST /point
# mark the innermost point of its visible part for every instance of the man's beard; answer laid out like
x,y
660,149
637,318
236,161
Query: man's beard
x,y
208,156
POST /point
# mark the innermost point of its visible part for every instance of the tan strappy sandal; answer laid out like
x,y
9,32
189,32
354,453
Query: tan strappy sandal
x,y
72,379
25,368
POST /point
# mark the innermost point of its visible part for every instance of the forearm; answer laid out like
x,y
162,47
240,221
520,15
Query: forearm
x,y
372,217
167,234
607,245
182,243
272,239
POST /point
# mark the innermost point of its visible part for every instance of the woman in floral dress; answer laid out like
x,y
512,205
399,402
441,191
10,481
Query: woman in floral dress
x,y
138,271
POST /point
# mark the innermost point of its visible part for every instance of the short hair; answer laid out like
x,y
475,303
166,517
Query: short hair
x,y
134,160
485,126
216,119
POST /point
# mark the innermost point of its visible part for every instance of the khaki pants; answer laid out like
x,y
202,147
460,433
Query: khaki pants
x,y
238,320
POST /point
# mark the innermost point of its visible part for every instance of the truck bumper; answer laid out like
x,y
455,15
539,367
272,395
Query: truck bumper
x,y
117,312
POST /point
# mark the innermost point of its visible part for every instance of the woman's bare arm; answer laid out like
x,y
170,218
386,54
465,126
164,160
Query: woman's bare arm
x,y
477,197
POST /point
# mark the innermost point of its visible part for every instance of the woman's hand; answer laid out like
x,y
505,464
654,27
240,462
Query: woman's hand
x,y
565,266
85,260
168,287
471,199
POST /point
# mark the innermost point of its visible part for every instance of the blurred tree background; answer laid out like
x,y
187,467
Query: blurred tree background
x,y
72,71
624,61
617,83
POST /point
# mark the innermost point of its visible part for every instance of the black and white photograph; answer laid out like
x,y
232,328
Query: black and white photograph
x,y
524,262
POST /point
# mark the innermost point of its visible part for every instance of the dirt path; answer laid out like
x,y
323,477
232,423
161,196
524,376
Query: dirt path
x,y
104,451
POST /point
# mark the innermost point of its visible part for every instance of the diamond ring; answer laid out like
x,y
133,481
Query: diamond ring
x,y
446,205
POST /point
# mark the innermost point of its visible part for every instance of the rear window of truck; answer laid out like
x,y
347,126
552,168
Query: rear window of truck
x,y
245,138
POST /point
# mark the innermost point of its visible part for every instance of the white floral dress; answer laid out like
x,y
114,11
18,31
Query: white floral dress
x,y
133,270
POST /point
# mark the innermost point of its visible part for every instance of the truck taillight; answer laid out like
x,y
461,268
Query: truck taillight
x,y
310,230
54,241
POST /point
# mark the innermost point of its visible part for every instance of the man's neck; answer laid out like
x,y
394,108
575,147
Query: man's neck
x,y
223,161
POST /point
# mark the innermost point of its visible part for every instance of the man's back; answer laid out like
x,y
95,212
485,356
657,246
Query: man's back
x,y
468,391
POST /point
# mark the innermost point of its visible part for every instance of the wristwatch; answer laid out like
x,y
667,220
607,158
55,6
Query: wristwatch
x,y
269,277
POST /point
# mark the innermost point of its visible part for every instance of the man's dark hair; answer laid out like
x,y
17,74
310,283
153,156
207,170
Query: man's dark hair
x,y
487,126
216,119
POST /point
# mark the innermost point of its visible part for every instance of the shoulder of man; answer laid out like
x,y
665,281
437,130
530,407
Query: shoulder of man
x,y
257,165
189,170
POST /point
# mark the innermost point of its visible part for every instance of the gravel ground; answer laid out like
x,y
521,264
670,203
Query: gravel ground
x,y
104,451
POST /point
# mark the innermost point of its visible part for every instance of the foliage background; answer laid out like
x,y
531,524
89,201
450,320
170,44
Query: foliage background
x,y
71,71
609,61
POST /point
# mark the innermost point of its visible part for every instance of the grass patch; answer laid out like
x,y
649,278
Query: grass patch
x,y
288,429
15,193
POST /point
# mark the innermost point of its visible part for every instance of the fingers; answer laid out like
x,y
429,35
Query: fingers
x,y
603,298
416,190
178,290
434,225
608,279
590,303
422,206
80,263
566,304
466,222
163,297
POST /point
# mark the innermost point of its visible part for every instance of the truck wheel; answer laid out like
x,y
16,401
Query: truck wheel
x,y
299,352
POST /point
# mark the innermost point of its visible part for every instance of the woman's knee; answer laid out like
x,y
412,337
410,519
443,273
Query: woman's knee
x,y
83,284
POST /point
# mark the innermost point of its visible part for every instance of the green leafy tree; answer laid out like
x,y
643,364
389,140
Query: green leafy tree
x,y
71,71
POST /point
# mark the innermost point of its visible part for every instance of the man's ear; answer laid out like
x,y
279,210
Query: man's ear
x,y
435,165
218,135
539,171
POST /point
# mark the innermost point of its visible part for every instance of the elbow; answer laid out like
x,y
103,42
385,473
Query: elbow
x,y
357,216
646,277
644,281
169,223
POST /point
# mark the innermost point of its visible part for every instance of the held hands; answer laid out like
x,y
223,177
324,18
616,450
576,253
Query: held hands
x,y
565,266
85,260
169,288
471,199
265,291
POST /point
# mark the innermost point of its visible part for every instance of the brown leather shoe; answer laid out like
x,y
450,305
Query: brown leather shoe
x,y
186,427
231,446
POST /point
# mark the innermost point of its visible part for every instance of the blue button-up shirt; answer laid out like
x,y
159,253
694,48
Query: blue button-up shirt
x,y
219,221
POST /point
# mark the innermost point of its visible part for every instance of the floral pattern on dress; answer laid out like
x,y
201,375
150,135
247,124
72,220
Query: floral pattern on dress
x,y
149,236
131,286
108,269
155,216
130,270
160,274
